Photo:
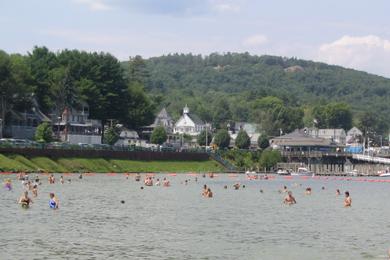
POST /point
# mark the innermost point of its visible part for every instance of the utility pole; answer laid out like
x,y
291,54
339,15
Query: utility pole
x,y
2,120
206,136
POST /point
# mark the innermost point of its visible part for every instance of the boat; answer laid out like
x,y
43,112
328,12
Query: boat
x,y
302,172
283,172
353,173
386,174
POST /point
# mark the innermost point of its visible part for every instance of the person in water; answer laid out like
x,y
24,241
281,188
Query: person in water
x,y
35,191
8,184
53,202
347,200
209,193
148,181
338,193
308,191
166,183
204,193
62,179
289,199
25,200
236,186
157,182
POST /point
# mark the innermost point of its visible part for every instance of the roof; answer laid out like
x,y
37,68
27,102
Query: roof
x,y
195,119
354,131
162,116
300,138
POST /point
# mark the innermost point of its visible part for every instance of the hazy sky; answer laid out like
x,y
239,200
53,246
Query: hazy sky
x,y
351,33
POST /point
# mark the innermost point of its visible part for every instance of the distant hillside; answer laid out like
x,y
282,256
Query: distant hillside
x,y
242,78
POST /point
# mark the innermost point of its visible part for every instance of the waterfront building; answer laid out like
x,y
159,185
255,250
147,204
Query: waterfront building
x,y
354,135
190,124
75,127
128,137
22,125
337,135
163,119
301,141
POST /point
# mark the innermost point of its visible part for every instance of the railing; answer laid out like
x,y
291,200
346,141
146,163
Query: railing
x,y
314,154
369,158
225,163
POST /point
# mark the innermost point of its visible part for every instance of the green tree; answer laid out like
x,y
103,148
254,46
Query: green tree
x,y
263,142
221,112
138,73
222,138
269,158
111,135
159,135
242,140
201,139
44,133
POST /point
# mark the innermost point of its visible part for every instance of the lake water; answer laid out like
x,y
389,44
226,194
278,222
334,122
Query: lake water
x,y
178,223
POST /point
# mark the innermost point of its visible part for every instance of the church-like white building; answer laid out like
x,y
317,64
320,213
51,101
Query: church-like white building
x,y
190,124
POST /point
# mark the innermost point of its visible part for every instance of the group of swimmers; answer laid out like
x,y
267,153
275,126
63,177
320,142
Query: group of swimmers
x,y
149,181
207,193
32,185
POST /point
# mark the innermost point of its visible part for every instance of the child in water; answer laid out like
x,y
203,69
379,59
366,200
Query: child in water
x,y
8,184
53,202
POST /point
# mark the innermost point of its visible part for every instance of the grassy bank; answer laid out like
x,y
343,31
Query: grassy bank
x,y
17,163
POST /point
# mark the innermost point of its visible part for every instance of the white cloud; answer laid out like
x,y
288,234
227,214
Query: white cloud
x,y
370,53
224,6
255,40
95,5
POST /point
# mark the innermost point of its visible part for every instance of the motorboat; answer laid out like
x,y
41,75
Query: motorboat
x,y
353,173
302,172
386,174
283,172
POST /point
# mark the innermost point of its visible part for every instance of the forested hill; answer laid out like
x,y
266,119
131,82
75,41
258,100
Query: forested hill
x,y
241,79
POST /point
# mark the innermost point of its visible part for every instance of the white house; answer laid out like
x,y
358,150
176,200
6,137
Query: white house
x,y
190,124
353,135
127,137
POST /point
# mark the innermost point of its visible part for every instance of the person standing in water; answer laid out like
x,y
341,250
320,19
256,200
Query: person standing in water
x,y
347,200
53,202
62,179
35,191
289,199
25,200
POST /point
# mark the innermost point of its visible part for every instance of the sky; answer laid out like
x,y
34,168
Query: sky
x,y
350,33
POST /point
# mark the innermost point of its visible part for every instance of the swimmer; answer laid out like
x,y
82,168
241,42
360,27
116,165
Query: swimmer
x,y
148,181
62,179
53,202
196,179
35,191
69,181
24,200
80,176
243,186
186,182
204,193
289,199
261,191
225,187
142,188
308,191
137,177
8,184
347,200
338,193
127,176
323,188
236,186
157,182
209,193
166,183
